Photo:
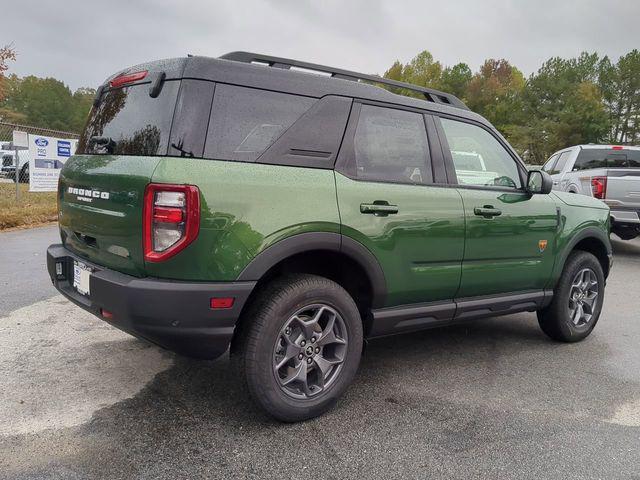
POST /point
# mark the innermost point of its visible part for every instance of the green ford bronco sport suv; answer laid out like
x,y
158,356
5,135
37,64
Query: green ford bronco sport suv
x,y
288,211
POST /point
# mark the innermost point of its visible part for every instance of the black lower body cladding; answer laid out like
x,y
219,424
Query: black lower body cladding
x,y
175,315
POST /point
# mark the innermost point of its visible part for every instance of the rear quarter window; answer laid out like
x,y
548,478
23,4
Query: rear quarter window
x,y
246,121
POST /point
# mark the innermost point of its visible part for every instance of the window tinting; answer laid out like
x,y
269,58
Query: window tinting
x,y
127,121
245,121
607,158
391,145
191,118
479,159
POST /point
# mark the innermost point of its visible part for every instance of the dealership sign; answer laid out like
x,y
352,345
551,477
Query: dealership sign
x,y
47,155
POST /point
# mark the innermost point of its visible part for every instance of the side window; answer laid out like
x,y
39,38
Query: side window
x,y
548,167
478,157
391,145
190,118
245,121
562,162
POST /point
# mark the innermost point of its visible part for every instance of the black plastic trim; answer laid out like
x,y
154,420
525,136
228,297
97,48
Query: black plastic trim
x,y
438,164
589,232
409,318
318,241
172,314
314,139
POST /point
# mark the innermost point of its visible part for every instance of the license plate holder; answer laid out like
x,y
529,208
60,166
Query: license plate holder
x,y
81,278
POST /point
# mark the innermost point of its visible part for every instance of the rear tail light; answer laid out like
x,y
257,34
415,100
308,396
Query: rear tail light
x,y
171,219
599,187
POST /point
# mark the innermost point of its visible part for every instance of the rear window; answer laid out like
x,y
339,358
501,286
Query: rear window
x,y
129,122
607,158
246,121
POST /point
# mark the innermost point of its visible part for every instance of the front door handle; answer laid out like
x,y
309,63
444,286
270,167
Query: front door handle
x,y
487,211
379,208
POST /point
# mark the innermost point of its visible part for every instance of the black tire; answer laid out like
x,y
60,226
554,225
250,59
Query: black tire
x,y
556,320
255,350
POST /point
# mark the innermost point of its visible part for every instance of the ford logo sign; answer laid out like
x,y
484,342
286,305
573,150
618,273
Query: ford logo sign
x,y
42,142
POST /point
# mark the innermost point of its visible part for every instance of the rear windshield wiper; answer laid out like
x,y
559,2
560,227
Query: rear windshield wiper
x,y
102,145
183,152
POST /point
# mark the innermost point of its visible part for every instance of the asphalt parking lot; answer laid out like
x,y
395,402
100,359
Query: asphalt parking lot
x,y
491,399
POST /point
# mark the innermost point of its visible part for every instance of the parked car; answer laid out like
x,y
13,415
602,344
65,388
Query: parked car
x,y
610,173
471,169
8,168
237,203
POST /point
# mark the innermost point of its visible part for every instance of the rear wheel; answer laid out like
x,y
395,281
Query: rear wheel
x,y
300,346
577,300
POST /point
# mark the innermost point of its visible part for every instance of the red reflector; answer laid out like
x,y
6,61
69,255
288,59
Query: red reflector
x,y
167,214
106,313
127,78
617,147
222,302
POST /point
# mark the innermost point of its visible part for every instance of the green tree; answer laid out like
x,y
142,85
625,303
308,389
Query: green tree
x,y
45,102
7,54
422,70
562,106
456,80
82,102
620,86
495,92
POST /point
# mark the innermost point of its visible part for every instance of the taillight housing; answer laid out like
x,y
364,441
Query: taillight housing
x,y
599,187
171,219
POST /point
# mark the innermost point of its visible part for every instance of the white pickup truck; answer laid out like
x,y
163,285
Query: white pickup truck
x,y
608,172
8,164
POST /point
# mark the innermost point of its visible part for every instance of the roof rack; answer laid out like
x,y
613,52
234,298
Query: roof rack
x,y
431,95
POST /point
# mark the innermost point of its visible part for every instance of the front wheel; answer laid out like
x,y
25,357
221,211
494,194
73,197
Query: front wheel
x,y
577,300
300,346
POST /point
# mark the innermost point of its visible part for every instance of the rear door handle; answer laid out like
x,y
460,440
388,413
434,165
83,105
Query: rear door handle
x,y
487,211
379,208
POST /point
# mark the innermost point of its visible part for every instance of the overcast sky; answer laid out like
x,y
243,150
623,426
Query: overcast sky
x,y
83,41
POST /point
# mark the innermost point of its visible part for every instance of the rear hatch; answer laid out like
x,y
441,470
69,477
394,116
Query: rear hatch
x,y
102,187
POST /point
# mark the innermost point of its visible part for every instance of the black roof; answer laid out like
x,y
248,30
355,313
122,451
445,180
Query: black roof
x,y
270,74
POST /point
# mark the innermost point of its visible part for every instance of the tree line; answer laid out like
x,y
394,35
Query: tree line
x,y
45,102
588,99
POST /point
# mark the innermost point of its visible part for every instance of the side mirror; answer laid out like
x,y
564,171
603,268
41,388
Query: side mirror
x,y
539,181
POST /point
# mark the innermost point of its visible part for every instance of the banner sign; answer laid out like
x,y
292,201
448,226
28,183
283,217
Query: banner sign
x,y
47,155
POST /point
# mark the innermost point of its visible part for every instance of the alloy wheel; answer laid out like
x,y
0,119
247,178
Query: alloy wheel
x,y
583,297
310,351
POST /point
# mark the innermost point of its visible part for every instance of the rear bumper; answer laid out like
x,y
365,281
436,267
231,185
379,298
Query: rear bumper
x,y
629,217
175,315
